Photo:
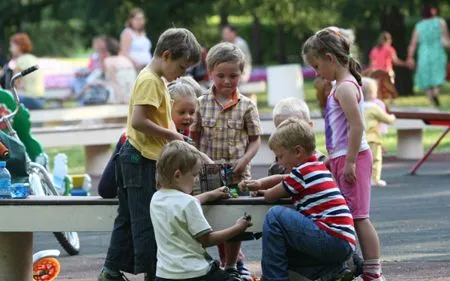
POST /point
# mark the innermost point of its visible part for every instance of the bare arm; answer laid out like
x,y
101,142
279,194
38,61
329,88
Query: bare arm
x,y
125,44
140,122
445,35
213,195
412,49
347,95
218,237
275,193
254,142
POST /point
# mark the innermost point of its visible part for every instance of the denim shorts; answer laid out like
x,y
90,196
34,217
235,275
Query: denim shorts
x,y
133,247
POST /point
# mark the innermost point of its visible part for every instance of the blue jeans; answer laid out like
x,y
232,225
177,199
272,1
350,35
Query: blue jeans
x,y
292,241
32,103
133,247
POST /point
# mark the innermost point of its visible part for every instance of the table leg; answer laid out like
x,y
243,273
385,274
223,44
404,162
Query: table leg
x,y
420,162
16,256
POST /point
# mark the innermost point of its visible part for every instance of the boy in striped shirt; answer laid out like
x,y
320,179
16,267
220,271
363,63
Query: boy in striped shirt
x,y
317,237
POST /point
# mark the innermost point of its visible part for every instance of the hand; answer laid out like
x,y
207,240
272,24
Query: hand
x,y
411,63
249,185
219,193
350,172
326,162
259,193
175,136
243,223
239,166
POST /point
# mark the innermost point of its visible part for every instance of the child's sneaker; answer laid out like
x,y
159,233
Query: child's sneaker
x,y
360,278
244,272
108,277
380,183
232,274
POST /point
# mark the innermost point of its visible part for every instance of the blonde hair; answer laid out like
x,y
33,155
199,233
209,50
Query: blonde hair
x,y
225,52
369,88
188,80
330,40
290,107
181,43
176,155
180,89
293,132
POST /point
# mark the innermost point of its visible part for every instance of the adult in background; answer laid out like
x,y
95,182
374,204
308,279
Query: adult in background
x,y
431,36
31,87
230,34
134,43
120,73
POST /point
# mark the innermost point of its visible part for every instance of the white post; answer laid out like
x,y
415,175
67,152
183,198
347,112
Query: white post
x,y
16,256
284,81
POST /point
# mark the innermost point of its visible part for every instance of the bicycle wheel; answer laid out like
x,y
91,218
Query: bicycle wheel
x,y
69,241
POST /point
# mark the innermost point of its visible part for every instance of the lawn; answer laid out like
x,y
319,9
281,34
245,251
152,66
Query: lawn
x,y
76,154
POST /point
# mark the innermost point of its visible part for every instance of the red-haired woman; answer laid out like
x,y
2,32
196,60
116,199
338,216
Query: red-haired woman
x,y
31,87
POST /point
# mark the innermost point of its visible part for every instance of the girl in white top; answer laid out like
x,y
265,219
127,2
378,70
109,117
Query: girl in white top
x,y
134,43
120,73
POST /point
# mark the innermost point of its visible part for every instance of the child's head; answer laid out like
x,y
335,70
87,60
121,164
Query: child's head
x,y
178,166
290,107
112,46
225,63
385,37
326,50
198,90
178,48
184,103
369,88
293,142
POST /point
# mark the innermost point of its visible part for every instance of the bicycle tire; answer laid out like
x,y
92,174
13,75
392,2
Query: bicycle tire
x,y
69,241
71,248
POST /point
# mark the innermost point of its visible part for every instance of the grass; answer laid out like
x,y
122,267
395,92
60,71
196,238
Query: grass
x,y
76,154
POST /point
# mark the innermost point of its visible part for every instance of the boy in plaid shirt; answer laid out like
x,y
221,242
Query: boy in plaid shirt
x,y
227,126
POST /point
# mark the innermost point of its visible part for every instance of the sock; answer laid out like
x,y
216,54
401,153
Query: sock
x,y
111,272
371,270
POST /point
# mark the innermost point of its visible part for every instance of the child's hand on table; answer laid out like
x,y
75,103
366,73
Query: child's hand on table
x,y
219,193
249,185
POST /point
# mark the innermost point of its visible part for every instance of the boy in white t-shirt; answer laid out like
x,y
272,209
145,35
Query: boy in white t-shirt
x,y
180,227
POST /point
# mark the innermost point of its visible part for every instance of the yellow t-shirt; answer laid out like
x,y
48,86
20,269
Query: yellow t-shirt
x,y
33,83
149,89
374,116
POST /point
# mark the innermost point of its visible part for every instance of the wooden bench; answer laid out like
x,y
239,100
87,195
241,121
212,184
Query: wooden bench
x,y
94,127
409,139
20,218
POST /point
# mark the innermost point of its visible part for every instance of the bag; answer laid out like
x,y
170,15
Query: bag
x,y
16,163
96,95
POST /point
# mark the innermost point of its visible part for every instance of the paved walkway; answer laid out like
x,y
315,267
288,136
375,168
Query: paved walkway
x,y
412,216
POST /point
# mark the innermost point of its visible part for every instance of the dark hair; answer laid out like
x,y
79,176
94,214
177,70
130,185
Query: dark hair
x,y
230,27
23,41
330,40
112,46
427,9
181,43
384,37
132,14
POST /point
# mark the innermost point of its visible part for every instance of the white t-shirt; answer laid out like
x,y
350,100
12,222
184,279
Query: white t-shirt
x,y
178,220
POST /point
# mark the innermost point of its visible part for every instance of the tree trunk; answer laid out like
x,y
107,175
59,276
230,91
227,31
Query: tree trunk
x,y
393,21
280,44
256,41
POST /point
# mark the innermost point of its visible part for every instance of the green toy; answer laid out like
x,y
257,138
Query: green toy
x,y
21,124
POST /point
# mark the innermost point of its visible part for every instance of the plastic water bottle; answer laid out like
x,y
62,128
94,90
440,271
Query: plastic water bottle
x,y
5,181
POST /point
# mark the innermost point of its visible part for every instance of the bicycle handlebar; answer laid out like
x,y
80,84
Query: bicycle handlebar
x,y
14,91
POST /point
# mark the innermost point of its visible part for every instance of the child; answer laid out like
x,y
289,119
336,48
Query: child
x,y
181,230
318,237
328,52
384,57
183,93
374,116
227,125
284,109
149,128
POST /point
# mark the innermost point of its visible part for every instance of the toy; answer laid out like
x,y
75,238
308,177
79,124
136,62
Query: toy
x,y
213,176
81,185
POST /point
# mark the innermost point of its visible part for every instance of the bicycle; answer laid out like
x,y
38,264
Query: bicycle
x,y
39,178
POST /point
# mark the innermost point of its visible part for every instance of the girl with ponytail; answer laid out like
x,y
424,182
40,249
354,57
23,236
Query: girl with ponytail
x,y
328,52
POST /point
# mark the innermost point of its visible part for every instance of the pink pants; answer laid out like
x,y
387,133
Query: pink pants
x,y
357,195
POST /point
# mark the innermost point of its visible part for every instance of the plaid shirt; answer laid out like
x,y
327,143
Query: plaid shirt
x,y
223,131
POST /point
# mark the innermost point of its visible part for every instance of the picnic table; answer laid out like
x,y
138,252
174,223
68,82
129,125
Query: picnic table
x,y
19,218
441,119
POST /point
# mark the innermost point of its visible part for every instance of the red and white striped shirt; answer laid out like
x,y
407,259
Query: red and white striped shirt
x,y
317,196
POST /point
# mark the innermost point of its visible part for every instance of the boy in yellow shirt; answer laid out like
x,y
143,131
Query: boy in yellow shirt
x,y
149,127
374,116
